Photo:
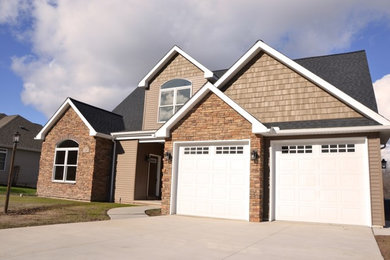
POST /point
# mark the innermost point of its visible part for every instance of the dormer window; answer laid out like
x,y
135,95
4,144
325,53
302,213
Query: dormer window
x,y
173,95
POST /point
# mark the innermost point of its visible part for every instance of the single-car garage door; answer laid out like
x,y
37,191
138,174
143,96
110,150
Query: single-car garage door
x,y
322,181
213,180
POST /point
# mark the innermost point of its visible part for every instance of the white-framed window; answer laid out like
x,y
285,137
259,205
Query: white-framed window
x,y
173,95
65,161
3,159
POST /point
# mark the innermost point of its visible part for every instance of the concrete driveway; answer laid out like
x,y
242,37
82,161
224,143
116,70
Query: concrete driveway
x,y
178,237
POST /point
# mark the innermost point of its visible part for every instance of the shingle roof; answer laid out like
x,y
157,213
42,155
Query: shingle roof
x,y
348,72
101,120
132,109
9,125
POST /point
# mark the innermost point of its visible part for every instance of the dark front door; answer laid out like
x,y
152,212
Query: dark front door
x,y
153,190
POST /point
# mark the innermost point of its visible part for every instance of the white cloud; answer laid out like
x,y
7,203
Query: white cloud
x,y
97,51
382,94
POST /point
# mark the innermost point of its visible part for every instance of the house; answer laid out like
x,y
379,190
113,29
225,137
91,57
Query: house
x,y
268,139
26,165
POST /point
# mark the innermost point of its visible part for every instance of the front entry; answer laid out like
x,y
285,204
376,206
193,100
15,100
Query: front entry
x,y
153,190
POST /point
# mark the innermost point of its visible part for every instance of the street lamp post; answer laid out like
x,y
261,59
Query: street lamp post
x,y
16,141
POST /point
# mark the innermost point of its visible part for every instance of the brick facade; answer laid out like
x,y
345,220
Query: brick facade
x,y
93,166
213,119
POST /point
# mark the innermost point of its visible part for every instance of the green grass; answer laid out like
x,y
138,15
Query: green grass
x,y
153,212
18,190
33,211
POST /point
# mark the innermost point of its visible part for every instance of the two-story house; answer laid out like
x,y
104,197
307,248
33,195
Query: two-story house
x,y
270,138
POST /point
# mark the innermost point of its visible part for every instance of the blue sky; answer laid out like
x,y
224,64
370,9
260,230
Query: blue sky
x,y
54,49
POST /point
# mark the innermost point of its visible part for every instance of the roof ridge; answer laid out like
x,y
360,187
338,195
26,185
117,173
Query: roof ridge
x,y
329,55
95,107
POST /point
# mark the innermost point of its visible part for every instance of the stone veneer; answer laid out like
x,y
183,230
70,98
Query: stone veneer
x,y
93,166
213,119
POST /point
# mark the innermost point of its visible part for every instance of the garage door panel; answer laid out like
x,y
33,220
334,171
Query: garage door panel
x,y
328,184
219,182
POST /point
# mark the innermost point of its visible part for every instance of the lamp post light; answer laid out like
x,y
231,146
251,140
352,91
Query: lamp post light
x,y
16,141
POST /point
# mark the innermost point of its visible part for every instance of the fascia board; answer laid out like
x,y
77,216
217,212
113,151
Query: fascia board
x,y
304,72
207,73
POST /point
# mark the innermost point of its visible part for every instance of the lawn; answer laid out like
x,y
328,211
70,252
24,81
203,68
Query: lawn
x,y
29,210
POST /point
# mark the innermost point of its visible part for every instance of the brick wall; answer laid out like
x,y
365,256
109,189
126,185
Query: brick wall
x,y
272,92
70,126
213,119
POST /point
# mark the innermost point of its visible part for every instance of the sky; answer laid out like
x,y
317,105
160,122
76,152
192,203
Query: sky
x,y
97,51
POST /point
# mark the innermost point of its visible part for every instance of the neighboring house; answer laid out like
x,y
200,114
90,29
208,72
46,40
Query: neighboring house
x,y
268,139
386,172
26,165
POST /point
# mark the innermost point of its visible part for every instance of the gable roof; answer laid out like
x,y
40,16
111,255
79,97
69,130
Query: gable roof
x,y
257,126
132,110
326,86
100,122
9,125
175,50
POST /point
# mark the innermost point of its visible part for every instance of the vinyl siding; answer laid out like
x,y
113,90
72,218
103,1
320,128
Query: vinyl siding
x,y
376,182
125,170
178,67
272,92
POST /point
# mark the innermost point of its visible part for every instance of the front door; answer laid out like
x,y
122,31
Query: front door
x,y
153,184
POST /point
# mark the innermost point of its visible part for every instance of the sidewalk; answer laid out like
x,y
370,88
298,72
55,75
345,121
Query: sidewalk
x,y
130,212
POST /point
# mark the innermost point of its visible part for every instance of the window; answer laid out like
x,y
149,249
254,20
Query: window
x,y
196,150
297,149
229,150
3,157
65,163
173,95
338,148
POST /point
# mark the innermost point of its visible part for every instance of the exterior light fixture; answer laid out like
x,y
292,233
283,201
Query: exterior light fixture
x,y
168,156
384,164
254,155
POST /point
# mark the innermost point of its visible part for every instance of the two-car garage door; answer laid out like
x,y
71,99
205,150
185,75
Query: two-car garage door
x,y
213,180
322,181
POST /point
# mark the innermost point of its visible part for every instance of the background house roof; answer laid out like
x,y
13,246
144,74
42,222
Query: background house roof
x,y
101,120
132,110
8,127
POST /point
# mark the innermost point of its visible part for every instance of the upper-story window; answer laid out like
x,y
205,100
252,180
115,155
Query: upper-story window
x,y
173,95
65,163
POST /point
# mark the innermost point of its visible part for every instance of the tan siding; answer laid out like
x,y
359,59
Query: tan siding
x,y
376,182
273,92
178,67
125,171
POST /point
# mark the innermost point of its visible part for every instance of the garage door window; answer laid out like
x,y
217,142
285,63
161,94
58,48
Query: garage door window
x,y
297,149
196,150
338,148
229,150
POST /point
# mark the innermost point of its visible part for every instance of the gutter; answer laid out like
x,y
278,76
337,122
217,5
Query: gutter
x,y
111,199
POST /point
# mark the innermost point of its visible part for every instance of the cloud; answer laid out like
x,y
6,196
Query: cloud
x,y
382,94
98,51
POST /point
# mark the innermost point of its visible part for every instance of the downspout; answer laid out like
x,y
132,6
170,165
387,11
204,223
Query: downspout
x,y
113,171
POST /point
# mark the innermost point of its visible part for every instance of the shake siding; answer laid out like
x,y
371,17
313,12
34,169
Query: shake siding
x,y
178,67
376,182
272,92
125,171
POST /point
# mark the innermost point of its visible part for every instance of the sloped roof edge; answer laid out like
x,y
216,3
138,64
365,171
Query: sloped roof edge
x,y
175,49
261,46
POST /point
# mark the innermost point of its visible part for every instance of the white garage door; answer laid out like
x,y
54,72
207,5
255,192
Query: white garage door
x,y
322,181
213,181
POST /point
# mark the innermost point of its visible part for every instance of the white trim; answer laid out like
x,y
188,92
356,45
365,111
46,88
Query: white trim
x,y
133,133
207,73
272,168
137,135
329,130
67,103
257,126
261,46
175,165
